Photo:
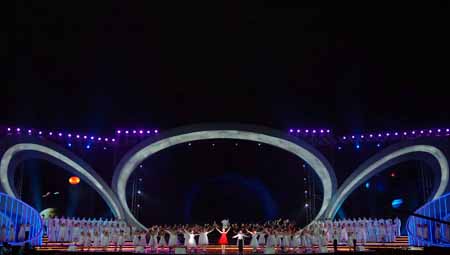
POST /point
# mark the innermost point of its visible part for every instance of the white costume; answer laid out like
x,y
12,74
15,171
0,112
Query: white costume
x,y
191,241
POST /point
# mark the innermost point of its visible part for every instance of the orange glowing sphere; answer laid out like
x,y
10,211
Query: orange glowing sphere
x,y
74,180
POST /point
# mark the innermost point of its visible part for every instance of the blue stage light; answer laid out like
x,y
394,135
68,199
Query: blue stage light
x,y
357,146
396,203
88,146
367,185
69,145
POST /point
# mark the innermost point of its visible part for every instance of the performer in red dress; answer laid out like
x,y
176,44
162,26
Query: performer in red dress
x,y
223,241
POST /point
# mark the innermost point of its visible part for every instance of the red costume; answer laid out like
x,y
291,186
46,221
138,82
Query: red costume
x,y
223,239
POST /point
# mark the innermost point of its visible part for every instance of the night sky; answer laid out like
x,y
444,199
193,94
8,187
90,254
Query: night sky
x,y
348,67
97,66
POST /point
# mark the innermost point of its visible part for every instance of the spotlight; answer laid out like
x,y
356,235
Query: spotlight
x,y
298,130
290,130
339,148
140,179
141,132
156,131
18,129
134,131
84,137
104,148
353,137
119,131
113,140
29,131
306,205
60,134
314,131
307,131
99,138
236,144
259,144
40,132
367,185
344,137
393,174
328,131
126,132
69,135
92,138
321,131
9,129
357,146
140,166
50,133
189,144
69,145
138,205
370,135
378,145
148,131
88,146
139,192
106,139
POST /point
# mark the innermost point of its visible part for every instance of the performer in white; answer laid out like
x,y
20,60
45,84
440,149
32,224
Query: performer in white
x,y
240,241
21,235
203,240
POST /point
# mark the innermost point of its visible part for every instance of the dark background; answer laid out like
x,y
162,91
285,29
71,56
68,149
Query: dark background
x,y
97,66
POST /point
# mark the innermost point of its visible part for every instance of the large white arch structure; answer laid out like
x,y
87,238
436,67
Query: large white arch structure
x,y
61,157
204,132
385,159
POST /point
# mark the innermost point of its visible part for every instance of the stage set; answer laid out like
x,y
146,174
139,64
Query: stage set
x,y
425,228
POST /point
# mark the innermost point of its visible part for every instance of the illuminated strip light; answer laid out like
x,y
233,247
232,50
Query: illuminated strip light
x,y
128,165
356,179
97,185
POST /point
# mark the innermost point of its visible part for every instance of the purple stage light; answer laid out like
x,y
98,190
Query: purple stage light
x,y
9,129
92,138
59,134
413,132
18,129
40,132
314,131
69,135
370,135
99,138
156,131
106,139
447,130
379,135
29,131
134,131
84,137
50,133
396,133
439,130
113,140
307,131
344,137
404,133
430,131
328,131
421,131
321,131
126,132
362,136
290,130
353,137
141,132
77,136
119,131
148,131
298,130
388,134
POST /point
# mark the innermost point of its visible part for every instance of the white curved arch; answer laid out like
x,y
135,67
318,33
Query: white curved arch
x,y
353,182
13,150
135,159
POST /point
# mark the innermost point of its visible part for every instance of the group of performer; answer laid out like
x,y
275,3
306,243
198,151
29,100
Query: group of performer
x,y
285,235
12,234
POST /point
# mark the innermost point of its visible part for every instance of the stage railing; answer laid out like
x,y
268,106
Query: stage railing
x,y
429,225
14,213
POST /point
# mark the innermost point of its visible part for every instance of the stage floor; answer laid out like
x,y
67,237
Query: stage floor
x,y
400,243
